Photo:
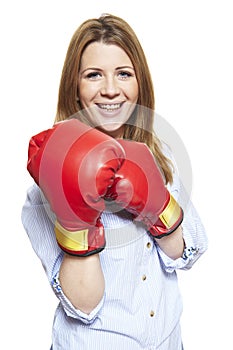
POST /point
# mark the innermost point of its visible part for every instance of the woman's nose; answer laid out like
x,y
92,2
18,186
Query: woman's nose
x,y
110,87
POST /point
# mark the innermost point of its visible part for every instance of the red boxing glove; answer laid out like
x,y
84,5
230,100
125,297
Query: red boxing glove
x,y
74,165
139,187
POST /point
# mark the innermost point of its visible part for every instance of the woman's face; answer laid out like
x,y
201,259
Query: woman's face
x,y
108,87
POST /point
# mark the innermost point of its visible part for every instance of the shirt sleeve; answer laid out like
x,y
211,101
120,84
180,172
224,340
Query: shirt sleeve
x,y
194,233
38,221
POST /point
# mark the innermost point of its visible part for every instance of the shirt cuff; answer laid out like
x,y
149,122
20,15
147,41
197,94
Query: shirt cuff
x,y
68,307
187,259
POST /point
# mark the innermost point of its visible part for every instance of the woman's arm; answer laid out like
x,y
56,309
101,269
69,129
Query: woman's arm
x,y
82,281
173,244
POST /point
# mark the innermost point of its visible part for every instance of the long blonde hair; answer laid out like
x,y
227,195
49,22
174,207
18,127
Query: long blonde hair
x,y
110,29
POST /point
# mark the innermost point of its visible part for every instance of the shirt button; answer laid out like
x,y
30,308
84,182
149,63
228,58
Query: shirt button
x,y
152,313
143,277
148,245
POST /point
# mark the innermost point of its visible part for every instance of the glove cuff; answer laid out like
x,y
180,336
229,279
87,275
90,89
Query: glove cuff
x,y
168,221
71,240
77,242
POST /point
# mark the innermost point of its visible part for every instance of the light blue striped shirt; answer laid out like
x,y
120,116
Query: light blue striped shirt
x,y
141,306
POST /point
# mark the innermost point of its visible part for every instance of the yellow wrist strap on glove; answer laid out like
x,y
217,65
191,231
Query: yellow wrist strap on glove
x,y
71,240
171,213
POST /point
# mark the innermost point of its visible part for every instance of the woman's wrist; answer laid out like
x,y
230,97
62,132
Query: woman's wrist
x,y
172,245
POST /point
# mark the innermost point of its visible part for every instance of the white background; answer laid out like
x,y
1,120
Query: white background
x,y
189,49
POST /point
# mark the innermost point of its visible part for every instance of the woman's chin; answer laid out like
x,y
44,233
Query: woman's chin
x,y
114,129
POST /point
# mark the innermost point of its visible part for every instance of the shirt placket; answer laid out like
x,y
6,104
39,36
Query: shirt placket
x,y
147,280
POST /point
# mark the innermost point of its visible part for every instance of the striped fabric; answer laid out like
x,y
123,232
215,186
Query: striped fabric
x,y
141,307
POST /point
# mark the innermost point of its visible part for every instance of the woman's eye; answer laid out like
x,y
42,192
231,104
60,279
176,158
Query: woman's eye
x,y
124,74
93,75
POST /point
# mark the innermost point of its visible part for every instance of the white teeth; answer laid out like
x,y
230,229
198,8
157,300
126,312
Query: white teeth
x,y
110,107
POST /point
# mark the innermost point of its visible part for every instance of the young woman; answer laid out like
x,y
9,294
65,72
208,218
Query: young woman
x,y
110,250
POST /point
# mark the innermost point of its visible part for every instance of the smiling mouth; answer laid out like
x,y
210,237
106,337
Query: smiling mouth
x,y
110,107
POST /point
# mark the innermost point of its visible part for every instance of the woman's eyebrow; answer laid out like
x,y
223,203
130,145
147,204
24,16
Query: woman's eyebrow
x,y
125,67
